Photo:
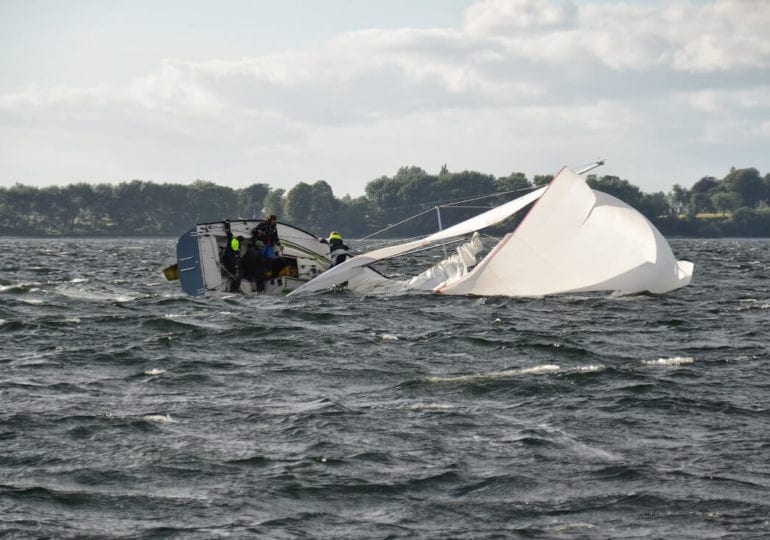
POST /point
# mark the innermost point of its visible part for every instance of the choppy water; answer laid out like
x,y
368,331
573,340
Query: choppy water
x,y
129,410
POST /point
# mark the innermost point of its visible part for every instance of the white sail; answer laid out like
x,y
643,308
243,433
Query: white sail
x,y
577,239
349,269
450,269
573,239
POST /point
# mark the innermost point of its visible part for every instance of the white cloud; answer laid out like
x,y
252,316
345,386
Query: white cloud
x,y
716,101
763,130
721,36
536,82
177,87
505,16
36,96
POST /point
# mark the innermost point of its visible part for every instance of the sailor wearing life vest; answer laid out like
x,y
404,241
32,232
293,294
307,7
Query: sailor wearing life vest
x,y
231,259
338,249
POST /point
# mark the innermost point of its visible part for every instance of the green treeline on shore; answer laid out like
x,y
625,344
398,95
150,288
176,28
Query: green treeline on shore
x,y
736,205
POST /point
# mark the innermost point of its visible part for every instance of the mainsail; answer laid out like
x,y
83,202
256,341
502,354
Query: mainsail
x,y
573,239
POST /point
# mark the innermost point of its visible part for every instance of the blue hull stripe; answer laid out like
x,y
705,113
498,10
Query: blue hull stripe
x,y
188,259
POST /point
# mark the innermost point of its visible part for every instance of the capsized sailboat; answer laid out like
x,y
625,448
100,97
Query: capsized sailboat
x,y
573,239
200,270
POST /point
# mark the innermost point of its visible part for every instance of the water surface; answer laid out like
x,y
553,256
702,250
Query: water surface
x,y
128,409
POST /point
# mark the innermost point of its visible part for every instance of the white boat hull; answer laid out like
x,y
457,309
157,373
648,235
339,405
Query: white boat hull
x,y
200,249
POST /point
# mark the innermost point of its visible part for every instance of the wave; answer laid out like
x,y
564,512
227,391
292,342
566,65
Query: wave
x,y
673,361
505,374
158,418
265,417
96,296
430,407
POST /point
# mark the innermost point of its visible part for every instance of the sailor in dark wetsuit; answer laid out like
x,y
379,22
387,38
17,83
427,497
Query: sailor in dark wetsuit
x,y
253,265
231,259
267,233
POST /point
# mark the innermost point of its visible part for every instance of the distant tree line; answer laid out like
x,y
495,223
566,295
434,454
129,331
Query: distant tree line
x,y
736,205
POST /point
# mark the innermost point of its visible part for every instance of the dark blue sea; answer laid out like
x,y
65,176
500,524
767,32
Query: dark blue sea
x,y
130,410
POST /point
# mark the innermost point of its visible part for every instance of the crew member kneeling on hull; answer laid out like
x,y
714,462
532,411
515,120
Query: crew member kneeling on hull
x,y
339,251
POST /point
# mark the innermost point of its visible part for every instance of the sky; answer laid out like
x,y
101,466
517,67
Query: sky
x,y
238,92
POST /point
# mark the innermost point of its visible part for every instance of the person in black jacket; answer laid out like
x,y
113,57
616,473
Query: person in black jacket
x,y
267,233
253,265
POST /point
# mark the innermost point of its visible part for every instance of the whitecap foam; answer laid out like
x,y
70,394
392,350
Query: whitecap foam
x,y
752,303
572,526
97,296
674,361
32,285
545,368
430,407
159,418
508,373
154,371
590,368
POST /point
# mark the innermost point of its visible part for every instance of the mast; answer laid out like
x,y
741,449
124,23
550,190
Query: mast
x,y
591,167
440,228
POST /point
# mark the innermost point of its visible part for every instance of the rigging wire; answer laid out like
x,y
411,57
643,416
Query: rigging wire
x,y
397,224
498,194
448,204
457,204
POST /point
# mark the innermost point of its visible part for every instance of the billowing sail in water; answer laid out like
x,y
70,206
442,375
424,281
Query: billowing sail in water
x,y
573,239
577,239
